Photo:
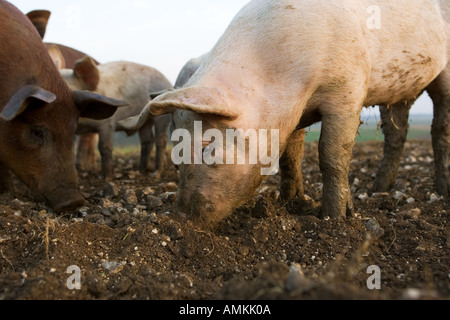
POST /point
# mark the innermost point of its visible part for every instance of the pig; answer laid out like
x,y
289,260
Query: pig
x,y
130,82
285,65
39,115
66,57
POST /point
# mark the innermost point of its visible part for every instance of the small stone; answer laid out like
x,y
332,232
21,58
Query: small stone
x,y
170,186
148,191
410,200
363,196
412,294
135,212
113,267
108,204
398,195
412,214
411,159
169,197
434,198
374,228
110,190
356,182
154,202
401,276
380,194
155,231
130,197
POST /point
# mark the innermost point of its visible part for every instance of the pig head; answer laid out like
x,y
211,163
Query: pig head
x,y
207,193
39,115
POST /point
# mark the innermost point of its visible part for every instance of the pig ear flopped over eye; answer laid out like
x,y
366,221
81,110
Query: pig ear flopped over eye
x,y
95,106
20,101
202,100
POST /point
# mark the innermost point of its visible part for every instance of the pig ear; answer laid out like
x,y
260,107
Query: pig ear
x,y
95,106
205,101
40,20
22,98
57,57
86,70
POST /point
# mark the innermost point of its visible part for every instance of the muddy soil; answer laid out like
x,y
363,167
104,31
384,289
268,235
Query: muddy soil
x,y
129,243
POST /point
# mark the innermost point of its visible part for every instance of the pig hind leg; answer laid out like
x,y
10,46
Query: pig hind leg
x,y
105,146
86,157
291,167
161,131
394,123
439,92
336,144
147,140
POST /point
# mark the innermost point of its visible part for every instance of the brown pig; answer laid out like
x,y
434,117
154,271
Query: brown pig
x,y
130,82
66,57
284,65
39,114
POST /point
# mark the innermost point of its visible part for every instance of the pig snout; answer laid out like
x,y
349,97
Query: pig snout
x,y
201,208
65,199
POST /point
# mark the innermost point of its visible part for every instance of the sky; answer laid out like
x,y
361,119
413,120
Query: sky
x,y
161,34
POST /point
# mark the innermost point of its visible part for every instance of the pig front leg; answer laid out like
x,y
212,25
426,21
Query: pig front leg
x,y
335,152
105,146
291,168
147,139
439,92
394,123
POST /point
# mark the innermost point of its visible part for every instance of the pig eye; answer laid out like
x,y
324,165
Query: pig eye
x,y
38,135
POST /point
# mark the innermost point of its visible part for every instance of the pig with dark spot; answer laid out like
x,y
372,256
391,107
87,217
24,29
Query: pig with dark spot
x,y
130,82
66,57
286,64
39,115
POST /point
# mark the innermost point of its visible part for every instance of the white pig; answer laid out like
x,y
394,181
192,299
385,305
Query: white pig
x,y
132,82
287,64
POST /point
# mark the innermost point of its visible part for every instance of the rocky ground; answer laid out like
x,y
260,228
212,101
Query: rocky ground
x,y
128,242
